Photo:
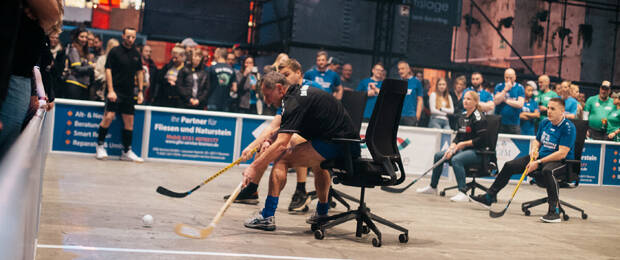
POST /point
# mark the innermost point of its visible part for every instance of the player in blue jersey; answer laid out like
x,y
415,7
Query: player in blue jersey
x,y
412,107
329,80
372,86
555,141
509,99
529,113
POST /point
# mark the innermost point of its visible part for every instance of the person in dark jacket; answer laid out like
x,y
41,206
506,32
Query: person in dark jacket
x,y
471,133
248,79
193,83
81,72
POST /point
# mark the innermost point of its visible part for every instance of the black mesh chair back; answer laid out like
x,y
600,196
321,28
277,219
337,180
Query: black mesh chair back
x,y
581,127
355,103
383,126
493,122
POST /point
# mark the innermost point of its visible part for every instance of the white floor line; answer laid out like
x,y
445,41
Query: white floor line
x,y
176,252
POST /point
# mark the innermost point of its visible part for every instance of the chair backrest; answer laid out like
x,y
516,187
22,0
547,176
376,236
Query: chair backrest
x,y
581,127
383,126
492,130
355,103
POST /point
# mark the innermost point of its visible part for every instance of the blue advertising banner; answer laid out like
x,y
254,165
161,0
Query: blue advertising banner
x,y
76,130
250,130
508,149
191,137
612,165
590,164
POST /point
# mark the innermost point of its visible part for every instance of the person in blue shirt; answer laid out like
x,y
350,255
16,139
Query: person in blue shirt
x,y
412,108
372,86
486,104
571,103
555,141
329,80
530,112
509,99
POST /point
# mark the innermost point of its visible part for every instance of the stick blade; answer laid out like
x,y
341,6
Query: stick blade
x,y
166,192
192,232
392,190
497,214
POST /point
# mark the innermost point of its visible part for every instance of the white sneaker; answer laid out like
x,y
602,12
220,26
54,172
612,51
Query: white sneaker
x,y
460,197
130,156
101,152
427,190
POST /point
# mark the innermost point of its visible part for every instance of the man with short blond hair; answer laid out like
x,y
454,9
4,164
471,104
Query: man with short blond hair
x,y
509,99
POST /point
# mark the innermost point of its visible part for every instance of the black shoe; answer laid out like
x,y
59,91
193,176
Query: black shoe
x,y
259,222
299,202
245,197
316,219
553,216
484,200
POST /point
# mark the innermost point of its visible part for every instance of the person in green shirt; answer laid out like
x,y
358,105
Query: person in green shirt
x,y
544,95
598,107
613,119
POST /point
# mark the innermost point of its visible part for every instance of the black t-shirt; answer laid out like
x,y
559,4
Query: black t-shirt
x,y
124,63
28,47
222,78
315,114
472,127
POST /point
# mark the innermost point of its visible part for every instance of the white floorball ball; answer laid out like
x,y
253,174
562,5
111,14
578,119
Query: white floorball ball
x,y
147,220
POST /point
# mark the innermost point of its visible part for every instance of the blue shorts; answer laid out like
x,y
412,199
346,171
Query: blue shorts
x,y
330,150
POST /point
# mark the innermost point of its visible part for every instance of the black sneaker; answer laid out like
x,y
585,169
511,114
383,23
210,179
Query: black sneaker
x,y
259,222
299,202
245,197
553,216
316,219
484,200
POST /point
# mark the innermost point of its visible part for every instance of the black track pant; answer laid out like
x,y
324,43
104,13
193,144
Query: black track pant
x,y
545,176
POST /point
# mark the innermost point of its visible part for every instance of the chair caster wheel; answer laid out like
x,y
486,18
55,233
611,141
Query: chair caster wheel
x,y
332,204
365,229
403,238
442,193
319,234
376,242
565,217
314,227
527,212
584,216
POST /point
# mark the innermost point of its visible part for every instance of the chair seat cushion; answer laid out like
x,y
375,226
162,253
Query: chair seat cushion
x,y
366,173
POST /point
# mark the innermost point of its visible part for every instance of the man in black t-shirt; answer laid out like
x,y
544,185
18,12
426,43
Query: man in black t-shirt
x,y
123,69
316,116
223,82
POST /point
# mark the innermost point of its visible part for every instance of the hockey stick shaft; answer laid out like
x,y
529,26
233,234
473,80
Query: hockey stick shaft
x,y
399,190
499,214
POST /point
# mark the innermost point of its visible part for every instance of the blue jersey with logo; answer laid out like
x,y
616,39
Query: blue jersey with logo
x,y
370,102
414,90
527,126
484,95
570,106
552,136
510,115
310,83
328,80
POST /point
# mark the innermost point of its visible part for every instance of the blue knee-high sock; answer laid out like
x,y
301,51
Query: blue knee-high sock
x,y
270,206
321,208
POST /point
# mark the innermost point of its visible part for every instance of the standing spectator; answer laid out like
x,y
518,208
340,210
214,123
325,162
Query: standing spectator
x,y
97,46
509,99
99,85
231,60
239,57
372,86
223,83
188,44
58,66
123,66
426,112
441,106
570,103
597,108
276,63
544,95
412,107
613,119
574,92
163,89
80,71
334,65
457,93
529,113
193,83
346,80
248,94
328,79
486,104
150,70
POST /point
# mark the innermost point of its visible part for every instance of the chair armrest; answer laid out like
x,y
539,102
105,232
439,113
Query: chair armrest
x,y
348,140
485,152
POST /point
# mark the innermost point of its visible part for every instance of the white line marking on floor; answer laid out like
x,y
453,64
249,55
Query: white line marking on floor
x,y
176,252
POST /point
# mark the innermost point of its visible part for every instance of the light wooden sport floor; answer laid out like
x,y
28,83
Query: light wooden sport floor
x,y
92,210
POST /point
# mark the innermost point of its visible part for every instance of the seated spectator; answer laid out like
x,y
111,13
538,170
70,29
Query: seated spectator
x,y
193,83
509,99
570,103
613,119
372,86
99,84
529,113
248,81
441,105
597,109
345,78
80,71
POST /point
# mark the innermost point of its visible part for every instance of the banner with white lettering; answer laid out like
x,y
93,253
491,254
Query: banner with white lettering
x,y
76,130
191,137
590,159
250,131
446,12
